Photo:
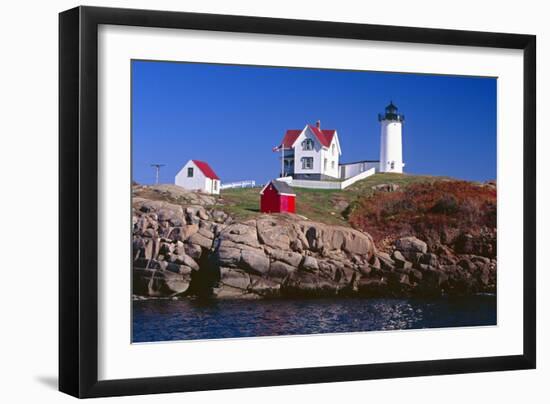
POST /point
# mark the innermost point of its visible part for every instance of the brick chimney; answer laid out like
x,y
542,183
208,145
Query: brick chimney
x,y
318,124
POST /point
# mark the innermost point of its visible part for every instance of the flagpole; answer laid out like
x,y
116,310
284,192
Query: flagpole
x,y
283,157
282,147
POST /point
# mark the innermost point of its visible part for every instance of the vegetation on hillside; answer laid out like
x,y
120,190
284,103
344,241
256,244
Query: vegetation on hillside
x,y
427,210
328,206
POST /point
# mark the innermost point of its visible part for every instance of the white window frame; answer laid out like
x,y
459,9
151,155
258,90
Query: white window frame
x,y
305,160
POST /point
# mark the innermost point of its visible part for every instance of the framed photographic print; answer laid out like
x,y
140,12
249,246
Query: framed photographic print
x,y
251,201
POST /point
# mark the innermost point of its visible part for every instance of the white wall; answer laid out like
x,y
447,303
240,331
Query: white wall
x,y
312,184
315,184
29,102
350,170
299,154
331,158
211,186
196,182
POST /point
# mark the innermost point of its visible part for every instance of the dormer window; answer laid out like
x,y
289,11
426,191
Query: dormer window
x,y
307,144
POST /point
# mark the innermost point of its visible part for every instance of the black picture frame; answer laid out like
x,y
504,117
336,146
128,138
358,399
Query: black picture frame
x,y
78,196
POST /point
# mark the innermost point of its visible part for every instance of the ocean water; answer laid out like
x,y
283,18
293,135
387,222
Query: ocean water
x,y
171,320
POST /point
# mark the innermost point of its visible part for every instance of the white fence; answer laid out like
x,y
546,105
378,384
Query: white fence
x,y
328,184
288,180
239,184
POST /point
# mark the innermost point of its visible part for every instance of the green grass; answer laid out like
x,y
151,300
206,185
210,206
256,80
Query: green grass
x,y
327,206
240,203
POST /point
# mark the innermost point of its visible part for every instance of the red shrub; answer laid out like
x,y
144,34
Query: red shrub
x,y
426,208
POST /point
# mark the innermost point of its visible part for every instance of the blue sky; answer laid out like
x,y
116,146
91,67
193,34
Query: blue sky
x,y
232,117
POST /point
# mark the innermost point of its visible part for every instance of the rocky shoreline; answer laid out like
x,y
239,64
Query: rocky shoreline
x,y
193,249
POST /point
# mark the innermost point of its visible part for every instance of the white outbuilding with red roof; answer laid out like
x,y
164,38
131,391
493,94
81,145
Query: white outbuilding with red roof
x,y
310,153
197,175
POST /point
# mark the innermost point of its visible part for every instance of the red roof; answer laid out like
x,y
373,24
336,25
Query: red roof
x,y
206,169
290,137
325,136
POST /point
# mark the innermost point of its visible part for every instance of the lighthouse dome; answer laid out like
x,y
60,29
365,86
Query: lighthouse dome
x,y
391,114
391,108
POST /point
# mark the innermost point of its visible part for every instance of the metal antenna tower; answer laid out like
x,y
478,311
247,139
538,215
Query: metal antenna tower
x,y
157,171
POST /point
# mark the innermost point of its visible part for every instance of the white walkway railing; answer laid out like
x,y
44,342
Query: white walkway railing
x,y
358,177
239,184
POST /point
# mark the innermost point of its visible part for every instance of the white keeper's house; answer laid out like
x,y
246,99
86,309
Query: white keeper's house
x,y
197,175
310,153
313,153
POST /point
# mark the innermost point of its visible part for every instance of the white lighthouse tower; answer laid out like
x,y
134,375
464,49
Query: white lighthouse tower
x,y
391,146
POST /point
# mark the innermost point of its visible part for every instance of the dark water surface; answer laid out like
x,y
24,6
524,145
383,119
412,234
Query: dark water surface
x,y
168,320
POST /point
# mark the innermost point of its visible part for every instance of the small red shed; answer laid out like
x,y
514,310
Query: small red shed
x,y
277,197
